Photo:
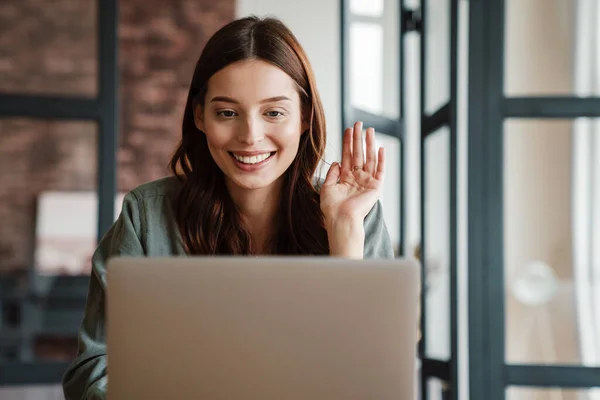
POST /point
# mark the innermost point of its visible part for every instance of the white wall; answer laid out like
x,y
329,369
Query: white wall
x,y
316,24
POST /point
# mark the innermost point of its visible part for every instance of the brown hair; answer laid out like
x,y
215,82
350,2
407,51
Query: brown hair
x,y
208,219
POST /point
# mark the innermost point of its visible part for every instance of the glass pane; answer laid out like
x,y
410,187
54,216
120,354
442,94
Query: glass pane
x,y
437,62
49,50
437,244
551,48
552,241
366,66
371,8
390,198
39,162
518,393
437,389
374,65
44,165
391,60
61,247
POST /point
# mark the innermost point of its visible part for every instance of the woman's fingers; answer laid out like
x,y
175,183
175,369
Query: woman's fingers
x,y
353,154
332,175
358,157
347,150
379,175
371,163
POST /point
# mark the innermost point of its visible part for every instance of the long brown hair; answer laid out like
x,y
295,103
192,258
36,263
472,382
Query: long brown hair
x,y
208,219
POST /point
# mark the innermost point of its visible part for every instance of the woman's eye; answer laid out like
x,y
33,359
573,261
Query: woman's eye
x,y
274,114
226,113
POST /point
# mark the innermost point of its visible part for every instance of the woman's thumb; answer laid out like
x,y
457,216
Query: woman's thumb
x,y
332,175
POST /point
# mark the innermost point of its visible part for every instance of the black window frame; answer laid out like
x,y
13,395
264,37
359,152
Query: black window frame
x,y
489,373
431,123
25,369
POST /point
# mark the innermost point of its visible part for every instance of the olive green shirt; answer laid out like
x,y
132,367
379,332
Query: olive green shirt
x,y
146,227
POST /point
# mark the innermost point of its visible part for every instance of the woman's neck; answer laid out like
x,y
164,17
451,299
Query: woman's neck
x,y
259,209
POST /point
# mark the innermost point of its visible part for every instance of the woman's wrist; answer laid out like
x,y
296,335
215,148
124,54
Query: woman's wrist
x,y
346,237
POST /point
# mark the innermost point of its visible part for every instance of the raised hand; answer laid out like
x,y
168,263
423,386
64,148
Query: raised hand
x,y
351,190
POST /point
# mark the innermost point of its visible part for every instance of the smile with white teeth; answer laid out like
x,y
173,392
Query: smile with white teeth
x,y
253,159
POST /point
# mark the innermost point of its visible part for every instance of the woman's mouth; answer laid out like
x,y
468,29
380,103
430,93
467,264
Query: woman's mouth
x,y
251,162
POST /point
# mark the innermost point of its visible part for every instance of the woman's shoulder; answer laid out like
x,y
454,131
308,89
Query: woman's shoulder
x,y
148,211
163,187
153,200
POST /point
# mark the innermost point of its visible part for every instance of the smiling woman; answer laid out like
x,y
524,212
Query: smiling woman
x,y
253,135
258,99
258,130
244,183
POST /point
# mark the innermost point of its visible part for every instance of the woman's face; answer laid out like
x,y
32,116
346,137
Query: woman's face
x,y
252,119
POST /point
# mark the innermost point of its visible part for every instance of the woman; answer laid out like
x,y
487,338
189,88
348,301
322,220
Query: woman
x,y
253,135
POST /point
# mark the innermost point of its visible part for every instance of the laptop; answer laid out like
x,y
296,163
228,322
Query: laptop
x,y
268,328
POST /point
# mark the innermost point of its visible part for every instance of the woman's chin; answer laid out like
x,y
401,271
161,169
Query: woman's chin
x,y
250,182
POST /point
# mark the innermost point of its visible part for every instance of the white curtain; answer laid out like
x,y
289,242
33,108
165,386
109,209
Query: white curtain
x,y
586,188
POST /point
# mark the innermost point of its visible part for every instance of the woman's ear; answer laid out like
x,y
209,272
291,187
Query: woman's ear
x,y
199,117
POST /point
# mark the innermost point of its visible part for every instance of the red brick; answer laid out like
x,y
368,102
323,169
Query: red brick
x,y
51,49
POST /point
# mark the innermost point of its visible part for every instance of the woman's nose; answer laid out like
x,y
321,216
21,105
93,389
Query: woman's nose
x,y
251,132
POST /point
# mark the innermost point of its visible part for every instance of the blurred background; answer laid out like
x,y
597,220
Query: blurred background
x,y
91,100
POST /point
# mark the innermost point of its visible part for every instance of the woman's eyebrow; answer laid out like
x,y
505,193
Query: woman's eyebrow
x,y
276,98
234,101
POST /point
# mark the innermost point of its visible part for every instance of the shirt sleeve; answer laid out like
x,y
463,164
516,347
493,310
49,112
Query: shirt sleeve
x,y
377,239
87,376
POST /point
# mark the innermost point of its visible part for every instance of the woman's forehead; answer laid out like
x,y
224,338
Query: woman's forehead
x,y
251,81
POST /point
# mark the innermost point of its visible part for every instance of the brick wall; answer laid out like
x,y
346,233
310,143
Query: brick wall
x,y
50,49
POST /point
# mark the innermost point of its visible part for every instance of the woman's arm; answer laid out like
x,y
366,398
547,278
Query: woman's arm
x,y
349,198
346,238
361,239
86,378
378,243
